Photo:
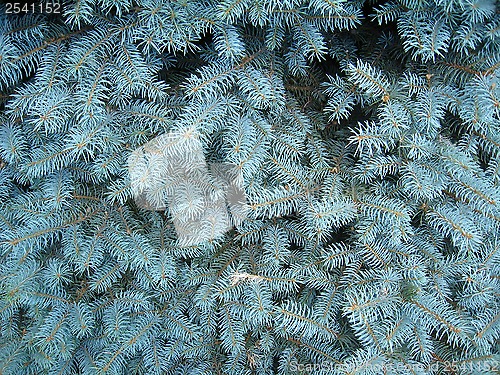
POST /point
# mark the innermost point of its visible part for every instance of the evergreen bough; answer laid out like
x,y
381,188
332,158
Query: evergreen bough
x,y
368,138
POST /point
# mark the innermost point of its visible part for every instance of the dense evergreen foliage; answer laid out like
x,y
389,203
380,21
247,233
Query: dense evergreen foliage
x,y
368,138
